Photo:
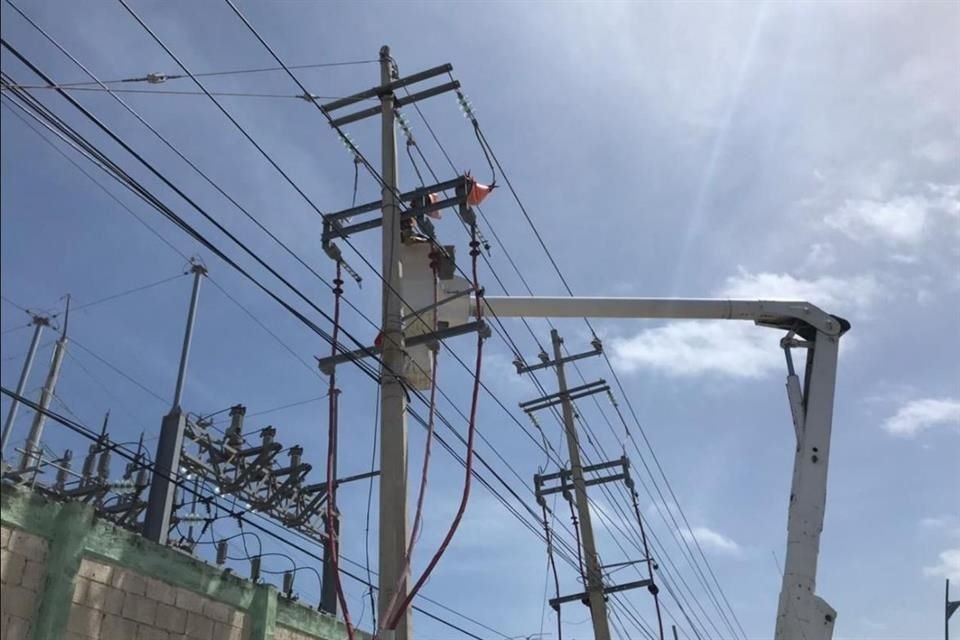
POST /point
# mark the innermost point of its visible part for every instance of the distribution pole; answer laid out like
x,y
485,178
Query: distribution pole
x,y
598,606
39,322
32,449
156,525
393,414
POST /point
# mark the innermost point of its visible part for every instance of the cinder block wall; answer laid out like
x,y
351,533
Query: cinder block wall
x,y
110,601
23,561
67,575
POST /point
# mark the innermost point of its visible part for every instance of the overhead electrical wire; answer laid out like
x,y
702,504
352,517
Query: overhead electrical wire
x,y
167,212
89,176
526,215
446,155
422,490
451,425
166,242
174,92
155,78
85,432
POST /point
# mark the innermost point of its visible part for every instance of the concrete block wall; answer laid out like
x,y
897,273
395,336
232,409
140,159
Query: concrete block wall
x,y
283,633
23,559
68,575
110,601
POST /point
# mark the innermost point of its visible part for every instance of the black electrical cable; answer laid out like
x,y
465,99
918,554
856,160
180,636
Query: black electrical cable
x,y
89,176
174,92
486,146
167,212
358,157
127,292
89,434
206,74
450,426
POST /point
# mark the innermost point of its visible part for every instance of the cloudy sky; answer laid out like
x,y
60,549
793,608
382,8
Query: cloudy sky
x,y
791,150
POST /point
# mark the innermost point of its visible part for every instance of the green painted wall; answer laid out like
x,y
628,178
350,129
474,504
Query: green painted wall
x,y
74,532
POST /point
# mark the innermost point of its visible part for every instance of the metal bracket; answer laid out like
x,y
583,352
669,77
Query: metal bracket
x,y
328,363
574,393
582,596
545,362
381,90
335,225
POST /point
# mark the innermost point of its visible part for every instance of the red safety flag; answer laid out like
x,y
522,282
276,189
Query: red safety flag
x,y
434,198
477,192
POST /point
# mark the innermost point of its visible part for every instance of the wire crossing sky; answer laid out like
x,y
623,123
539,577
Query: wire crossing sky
x,y
735,150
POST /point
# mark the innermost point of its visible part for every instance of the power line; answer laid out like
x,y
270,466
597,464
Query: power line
x,y
85,432
165,210
90,177
569,290
129,210
119,371
139,189
128,292
176,92
14,304
155,78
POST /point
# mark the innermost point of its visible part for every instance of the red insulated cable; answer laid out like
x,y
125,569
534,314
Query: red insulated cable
x,y
468,465
418,514
331,451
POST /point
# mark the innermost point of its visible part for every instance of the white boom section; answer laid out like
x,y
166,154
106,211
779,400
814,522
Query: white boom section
x,y
801,615
761,311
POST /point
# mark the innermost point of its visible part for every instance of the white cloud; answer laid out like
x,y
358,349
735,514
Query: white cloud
x,y
934,522
692,348
711,540
937,151
919,415
738,349
902,220
826,291
822,255
899,221
949,525
947,567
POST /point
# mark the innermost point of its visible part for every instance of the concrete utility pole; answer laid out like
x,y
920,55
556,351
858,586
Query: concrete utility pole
x,y
39,322
393,407
163,486
598,606
31,452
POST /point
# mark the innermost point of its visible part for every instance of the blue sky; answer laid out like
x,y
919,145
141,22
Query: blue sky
x,y
783,150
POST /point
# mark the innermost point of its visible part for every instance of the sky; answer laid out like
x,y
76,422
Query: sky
x,y
748,150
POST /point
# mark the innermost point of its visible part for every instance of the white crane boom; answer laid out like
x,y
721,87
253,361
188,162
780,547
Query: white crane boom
x,y
801,614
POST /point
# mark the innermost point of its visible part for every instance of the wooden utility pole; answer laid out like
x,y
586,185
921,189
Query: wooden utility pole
x,y
393,403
